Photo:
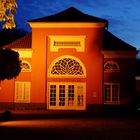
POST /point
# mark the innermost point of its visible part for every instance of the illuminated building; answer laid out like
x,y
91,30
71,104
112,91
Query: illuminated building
x,y
70,62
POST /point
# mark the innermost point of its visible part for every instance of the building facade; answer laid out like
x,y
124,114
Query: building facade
x,y
70,62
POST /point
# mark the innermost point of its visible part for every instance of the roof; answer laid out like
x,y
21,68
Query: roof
x,y
113,43
70,15
110,43
23,42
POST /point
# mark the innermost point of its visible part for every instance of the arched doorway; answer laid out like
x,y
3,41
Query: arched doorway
x,y
67,87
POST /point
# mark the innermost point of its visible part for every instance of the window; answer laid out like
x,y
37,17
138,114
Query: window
x,y
67,66
52,95
80,98
76,42
111,66
26,67
111,93
61,95
71,95
22,92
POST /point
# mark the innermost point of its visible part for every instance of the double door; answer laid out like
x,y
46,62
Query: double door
x,y
67,96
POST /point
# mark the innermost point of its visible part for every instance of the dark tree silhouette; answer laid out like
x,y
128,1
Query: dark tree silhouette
x,y
10,65
7,35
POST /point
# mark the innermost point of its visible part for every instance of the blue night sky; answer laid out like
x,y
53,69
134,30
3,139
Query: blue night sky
x,y
123,15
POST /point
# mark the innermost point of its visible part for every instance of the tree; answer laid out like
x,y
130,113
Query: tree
x,y
7,11
9,35
10,65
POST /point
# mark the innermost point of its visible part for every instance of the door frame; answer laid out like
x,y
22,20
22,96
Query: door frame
x,y
75,95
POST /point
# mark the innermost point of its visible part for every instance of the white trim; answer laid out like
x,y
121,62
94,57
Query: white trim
x,y
66,76
66,24
24,53
112,102
22,91
65,39
66,107
26,70
113,70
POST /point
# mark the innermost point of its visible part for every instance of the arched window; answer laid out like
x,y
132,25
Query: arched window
x,y
26,67
67,66
111,66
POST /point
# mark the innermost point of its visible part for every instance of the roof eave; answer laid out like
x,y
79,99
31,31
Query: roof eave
x,y
67,24
119,54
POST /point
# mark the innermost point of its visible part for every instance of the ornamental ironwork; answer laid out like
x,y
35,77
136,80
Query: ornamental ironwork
x,y
111,66
67,66
25,66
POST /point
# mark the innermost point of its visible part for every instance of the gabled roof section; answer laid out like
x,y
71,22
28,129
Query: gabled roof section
x,y
22,43
113,43
110,43
70,15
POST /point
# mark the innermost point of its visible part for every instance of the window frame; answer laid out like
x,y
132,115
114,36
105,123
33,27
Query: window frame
x,y
67,75
112,63
26,70
77,100
111,93
22,91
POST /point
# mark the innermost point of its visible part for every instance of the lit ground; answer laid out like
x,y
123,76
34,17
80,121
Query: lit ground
x,y
72,128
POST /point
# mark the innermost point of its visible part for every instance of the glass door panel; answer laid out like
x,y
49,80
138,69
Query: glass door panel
x,y
67,96
62,95
71,95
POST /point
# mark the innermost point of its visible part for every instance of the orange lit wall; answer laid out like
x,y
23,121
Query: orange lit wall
x,y
92,58
25,76
7,88
7,91
42,58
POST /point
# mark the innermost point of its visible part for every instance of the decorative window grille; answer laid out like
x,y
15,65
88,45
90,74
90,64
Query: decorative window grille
x,y
26,67
111,66
111,93
67,42
67,66
22,92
